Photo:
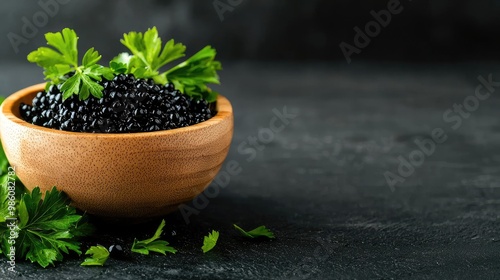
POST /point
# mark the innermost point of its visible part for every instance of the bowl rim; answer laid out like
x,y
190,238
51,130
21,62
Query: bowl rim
x,y
224,111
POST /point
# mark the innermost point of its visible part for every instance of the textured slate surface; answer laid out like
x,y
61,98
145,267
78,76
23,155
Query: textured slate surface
x,y
320,186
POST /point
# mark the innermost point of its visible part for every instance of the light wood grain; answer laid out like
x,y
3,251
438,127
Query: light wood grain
x,y
117,175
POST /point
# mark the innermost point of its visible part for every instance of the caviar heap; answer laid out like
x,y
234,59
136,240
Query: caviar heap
x,y
128,105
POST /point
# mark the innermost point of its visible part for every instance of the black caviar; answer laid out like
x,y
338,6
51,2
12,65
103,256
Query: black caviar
x,y
128,105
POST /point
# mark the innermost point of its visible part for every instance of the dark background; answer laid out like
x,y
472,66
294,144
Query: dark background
x,y
443,30
319,185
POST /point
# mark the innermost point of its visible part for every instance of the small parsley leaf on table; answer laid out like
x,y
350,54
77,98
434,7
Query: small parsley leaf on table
x,y
261,231
210,241
153,244
99,256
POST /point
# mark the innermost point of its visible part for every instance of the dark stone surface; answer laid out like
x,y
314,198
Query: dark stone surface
x,y
320,186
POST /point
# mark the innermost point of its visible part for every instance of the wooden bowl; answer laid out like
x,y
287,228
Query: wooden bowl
x,y
132,175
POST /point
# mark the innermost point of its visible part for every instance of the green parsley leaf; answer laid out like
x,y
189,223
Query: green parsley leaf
x,y
148,55
153,244
99,256
120,63
83,228
61,61
210,241
90,58
5,212
4,163
261,231
45,227
65,53
190,77
5,178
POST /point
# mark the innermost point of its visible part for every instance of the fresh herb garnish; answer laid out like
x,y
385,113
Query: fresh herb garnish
x,y
210,241
4,165
261,231
153,244
5,212
4,162
99,256
190,77
46,228
147,53
60,64
6,207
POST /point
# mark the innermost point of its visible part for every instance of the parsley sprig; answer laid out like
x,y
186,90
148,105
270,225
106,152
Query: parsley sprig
x,y
153,244
46,228
99,256
61,67
210,241
147,56
261,231
193,75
